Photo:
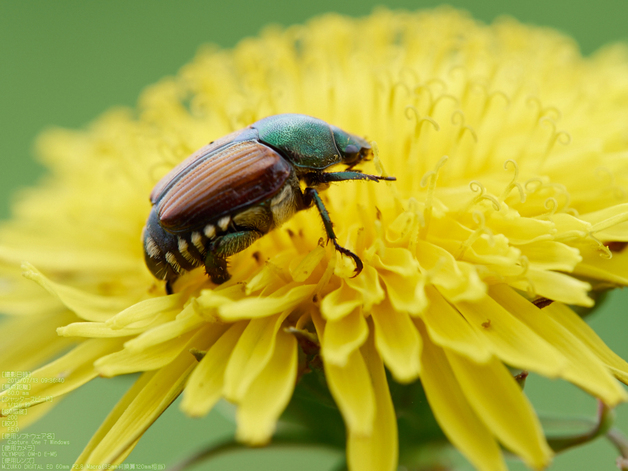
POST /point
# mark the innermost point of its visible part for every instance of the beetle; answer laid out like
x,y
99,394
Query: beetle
x,y
234,190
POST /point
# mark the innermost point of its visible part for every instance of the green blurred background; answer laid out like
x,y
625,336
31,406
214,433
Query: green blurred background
x,y
63,63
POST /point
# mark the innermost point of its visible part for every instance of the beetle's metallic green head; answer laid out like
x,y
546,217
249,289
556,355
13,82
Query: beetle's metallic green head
x,y
353,149
310,143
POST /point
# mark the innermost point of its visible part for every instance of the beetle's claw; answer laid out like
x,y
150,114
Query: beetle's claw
x,y
168,287
358,263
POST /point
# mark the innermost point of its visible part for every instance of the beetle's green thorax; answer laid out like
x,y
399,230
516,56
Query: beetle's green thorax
x,y
308,142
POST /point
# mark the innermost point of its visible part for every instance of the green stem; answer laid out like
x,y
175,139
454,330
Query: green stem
x,y
600,427
207,454
621,443
231,446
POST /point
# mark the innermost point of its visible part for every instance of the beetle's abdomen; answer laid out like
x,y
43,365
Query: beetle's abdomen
x,y
240,175
168,255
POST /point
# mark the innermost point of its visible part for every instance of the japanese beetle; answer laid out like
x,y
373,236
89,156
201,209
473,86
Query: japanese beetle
x,y
234,190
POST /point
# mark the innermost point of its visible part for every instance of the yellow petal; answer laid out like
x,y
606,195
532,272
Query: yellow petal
x,y
302,271
344,266
519,230
340,302
20,297
441,264
472,288
606,218
583,368
453,412
205,385
251,355
494,251
104,330
448,329
65,374
598,267
556,286
351,387
377,451
368,286
142,313
511,340
499,402
402,231
581,330
569,227
271,276
344,336
211,299
399,270
89,306
406,293
397,341
618,232
27,348
187,320
287,297
151,358
114,416
323,282
269,393
447,230
551,255
395,260
145,404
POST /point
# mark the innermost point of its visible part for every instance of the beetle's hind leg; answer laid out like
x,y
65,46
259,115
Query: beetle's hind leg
x,y
311,196
223,247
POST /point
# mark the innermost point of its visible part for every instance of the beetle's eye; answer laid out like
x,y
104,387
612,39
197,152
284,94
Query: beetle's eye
x,y
351,150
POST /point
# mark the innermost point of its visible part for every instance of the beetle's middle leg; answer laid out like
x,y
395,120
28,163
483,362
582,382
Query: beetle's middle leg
x,y
225,246
310,195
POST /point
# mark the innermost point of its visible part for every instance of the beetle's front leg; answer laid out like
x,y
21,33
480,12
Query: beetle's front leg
x,y
223,247
311,196
315,178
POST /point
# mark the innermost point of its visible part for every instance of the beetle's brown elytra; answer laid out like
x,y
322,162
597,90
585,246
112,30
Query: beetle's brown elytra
x,y
231,192
252,171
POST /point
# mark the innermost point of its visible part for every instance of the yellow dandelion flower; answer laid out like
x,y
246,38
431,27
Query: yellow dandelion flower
x,y
510,207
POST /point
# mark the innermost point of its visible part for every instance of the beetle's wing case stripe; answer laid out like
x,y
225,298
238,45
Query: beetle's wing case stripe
x,y
204,152
238,176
